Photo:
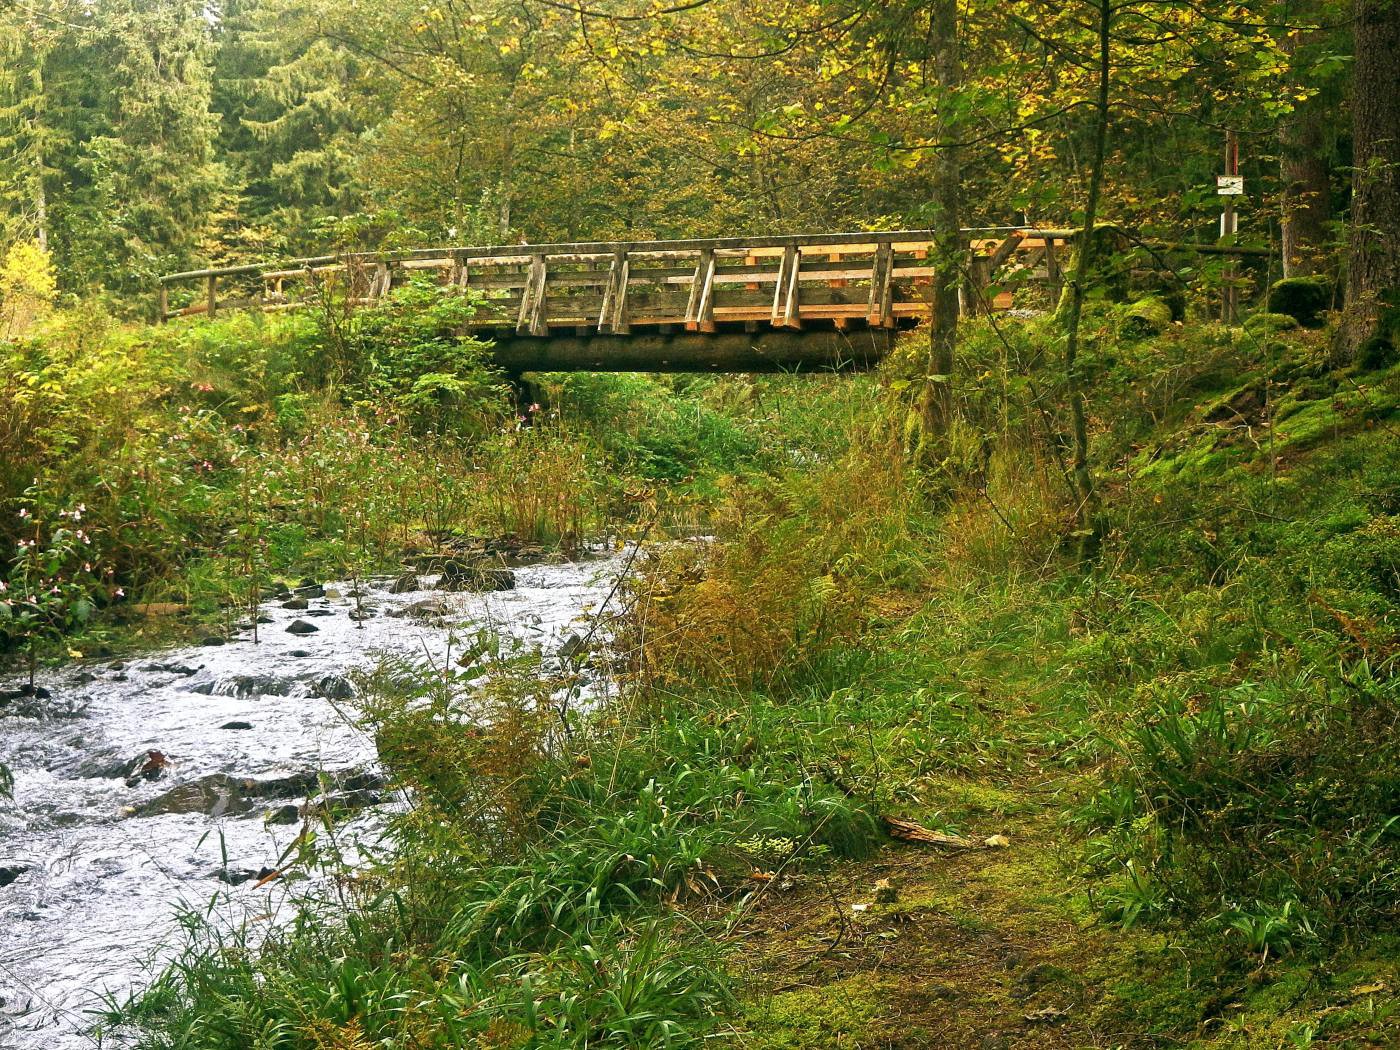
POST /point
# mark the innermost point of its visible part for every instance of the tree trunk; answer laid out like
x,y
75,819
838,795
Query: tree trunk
x,y
1307,208
1086,511
947,228
41,199
1307,189
1373,259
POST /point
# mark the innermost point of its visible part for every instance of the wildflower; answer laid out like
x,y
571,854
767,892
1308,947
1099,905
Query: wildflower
x,y
119,593
534,407
24,512
4,586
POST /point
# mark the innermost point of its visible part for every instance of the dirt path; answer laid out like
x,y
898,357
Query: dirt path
x,y
984,948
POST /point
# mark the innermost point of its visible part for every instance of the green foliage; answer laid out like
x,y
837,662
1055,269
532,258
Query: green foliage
x,y
643,424
54,580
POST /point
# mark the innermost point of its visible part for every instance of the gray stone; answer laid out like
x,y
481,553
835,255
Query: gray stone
x,y
334,687
301,627
217,794
427,609
288,814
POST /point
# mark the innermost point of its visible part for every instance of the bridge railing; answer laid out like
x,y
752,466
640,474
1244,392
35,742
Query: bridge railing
x,y
842,280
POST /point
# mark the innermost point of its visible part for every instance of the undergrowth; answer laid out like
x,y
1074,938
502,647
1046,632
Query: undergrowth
x,y
1206,712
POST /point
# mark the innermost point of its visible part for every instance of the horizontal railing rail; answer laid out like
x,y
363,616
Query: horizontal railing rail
x,y
609,285
875,278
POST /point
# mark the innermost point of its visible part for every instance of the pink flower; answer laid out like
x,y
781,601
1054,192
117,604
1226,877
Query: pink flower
x,y
24,512
120,593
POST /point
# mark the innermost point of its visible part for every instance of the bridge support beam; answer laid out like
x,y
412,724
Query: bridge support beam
x,y
781,351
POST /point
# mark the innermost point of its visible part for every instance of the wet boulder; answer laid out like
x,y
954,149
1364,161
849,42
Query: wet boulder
x,y
237,725
293,785
404,584
245,685
458,575
333,687
313,590
153,767
296,604
283,815
180,669
238,876
10,872
428,609
301,627
24,692
217,795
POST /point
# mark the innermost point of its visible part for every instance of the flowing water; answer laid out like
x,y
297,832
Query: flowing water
x,y
157,783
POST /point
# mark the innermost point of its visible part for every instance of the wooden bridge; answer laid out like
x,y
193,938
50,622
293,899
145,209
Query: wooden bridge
x,y
730,304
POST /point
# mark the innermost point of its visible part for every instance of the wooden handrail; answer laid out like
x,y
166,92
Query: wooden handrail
x,y
809,274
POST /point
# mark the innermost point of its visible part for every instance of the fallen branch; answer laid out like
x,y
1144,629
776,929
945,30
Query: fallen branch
x,y
908,831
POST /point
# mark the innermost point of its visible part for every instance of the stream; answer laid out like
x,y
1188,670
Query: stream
x,y
173,780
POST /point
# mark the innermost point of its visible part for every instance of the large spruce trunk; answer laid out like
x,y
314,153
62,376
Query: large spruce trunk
x,y
1307,207
1373,260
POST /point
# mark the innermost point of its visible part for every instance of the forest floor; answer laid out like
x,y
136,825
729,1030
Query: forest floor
x,y
994,949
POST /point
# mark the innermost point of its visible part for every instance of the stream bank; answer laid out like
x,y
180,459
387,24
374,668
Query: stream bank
x,y
174,781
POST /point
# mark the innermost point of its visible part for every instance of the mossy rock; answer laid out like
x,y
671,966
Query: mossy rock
x,y
1383,348
1268,323
1150,316
1305,299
